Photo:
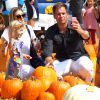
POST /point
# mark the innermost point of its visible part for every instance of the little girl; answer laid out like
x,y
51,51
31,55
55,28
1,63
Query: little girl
x,y
16,29
89,19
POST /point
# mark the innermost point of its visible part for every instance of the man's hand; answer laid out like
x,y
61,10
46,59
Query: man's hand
x,y
49,62
27,56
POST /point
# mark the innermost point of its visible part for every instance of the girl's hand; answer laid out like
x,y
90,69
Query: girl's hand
x,y
28,57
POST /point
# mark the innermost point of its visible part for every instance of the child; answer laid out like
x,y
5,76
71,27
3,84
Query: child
x,y
16,29
89,19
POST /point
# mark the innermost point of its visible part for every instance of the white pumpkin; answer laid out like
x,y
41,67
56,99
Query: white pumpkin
x,y
82,92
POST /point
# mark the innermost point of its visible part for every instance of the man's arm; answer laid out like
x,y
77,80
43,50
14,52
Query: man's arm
x,y
76,26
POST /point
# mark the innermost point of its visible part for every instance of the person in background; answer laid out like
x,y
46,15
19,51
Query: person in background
x,y
17,14
89,19
68,6
97,13
76,8
67,43
32,11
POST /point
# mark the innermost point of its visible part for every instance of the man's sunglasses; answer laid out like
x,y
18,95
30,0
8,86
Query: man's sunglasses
x,y
20,16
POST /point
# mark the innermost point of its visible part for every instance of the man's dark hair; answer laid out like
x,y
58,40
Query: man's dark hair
x,y
59,5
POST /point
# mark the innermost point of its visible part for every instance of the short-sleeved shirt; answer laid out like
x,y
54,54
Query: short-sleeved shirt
x,y
68,45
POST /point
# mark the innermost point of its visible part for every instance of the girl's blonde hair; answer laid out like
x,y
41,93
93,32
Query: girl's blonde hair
x,y
13,26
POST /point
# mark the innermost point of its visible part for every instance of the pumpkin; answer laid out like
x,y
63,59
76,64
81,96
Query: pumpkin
x,y
3,58
45,72
46,96
97,74
45,83
73,80
58,88
31,89
11,88
93,52
2,78
92,49
82,92
46,75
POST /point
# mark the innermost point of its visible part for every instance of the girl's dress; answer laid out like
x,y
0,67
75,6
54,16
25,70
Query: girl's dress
x,y
90,22
15,61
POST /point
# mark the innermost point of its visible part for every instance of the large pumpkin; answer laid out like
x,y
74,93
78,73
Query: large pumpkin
x,y
11,88
46,75
58,88
73,80
82,92
31,89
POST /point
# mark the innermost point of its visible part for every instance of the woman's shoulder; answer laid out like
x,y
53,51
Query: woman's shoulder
x,y
5,34
29,26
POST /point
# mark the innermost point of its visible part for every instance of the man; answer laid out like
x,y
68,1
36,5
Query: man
x,y
68,45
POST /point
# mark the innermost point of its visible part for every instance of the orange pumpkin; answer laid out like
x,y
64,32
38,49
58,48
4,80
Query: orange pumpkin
x,y
11,88
46,75
45,83
46,96
58,88
2,78
45,72
31,89
3,59
72,80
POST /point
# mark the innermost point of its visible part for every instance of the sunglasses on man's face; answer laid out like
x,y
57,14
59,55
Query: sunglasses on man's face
x,y
20,16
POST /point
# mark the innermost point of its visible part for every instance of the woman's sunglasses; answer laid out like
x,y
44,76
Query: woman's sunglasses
x,y
20,16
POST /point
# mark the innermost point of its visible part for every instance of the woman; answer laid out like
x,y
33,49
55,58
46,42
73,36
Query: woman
x,y
17,14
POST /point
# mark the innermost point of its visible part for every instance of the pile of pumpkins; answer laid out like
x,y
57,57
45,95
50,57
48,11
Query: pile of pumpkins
x,y
43,85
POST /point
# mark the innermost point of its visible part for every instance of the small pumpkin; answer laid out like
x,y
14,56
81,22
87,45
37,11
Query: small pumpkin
x,y
46,96
31,89
58,88
73,80
11,88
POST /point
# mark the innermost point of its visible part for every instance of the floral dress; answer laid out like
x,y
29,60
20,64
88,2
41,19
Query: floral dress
x,y
15,61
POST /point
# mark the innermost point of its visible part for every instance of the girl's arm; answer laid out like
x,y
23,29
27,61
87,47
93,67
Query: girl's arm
x,y
96,12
